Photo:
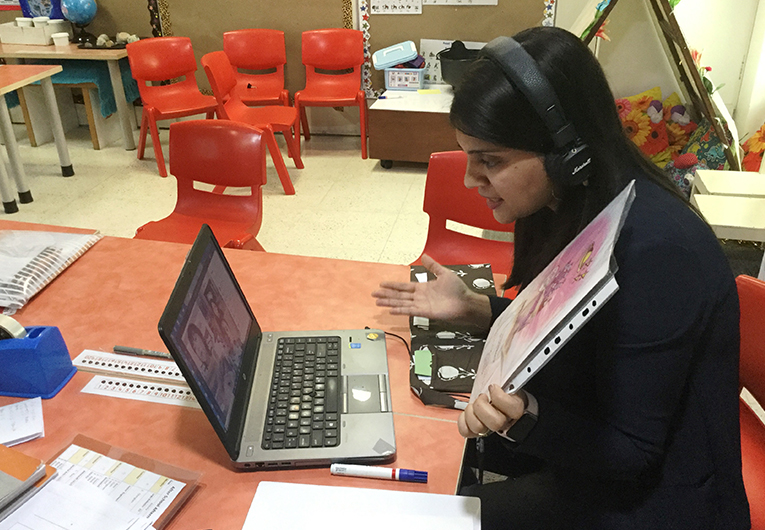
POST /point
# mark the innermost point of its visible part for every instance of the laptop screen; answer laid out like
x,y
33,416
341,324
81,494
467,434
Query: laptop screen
x,y
210,332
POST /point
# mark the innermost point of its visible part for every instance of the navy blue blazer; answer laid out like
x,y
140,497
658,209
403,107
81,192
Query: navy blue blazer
x,y
638,413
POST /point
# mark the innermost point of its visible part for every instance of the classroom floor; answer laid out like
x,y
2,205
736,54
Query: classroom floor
x,y
344,207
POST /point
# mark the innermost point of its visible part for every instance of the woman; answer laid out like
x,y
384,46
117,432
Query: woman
x,y
637,416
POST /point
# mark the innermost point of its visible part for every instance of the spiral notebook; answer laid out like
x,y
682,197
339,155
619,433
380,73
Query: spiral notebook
x,y
30,260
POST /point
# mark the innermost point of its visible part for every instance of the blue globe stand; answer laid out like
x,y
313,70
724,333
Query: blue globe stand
x,y
82,36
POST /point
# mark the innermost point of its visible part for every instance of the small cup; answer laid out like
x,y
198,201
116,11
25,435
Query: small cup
x,y
60,39
24,22
40,21
58,25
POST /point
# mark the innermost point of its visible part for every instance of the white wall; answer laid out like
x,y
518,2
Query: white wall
x,y
750,113
636,60
721,30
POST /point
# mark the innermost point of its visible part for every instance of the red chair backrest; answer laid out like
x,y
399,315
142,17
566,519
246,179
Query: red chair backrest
x,y
256,49
447,199
751,293
219,153
446,196
161,59
333,49
222,79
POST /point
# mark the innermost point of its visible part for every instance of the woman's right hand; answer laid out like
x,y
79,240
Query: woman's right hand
x,y
445,298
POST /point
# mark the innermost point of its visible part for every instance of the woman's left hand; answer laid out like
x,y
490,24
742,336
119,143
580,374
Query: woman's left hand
x,y
497,413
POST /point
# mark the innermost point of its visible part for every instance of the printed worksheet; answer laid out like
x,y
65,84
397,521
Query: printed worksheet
x,y
142,492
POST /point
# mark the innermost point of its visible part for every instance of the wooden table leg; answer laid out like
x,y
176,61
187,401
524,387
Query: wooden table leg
x,y
12,148
122,106
57,127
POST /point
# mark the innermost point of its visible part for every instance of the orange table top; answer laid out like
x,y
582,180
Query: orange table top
x,y
15,76
115,293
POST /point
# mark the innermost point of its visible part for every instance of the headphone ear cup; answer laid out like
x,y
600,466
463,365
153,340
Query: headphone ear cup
x,y
570,167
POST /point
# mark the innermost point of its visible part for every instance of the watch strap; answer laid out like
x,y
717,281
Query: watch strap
x,y
520,429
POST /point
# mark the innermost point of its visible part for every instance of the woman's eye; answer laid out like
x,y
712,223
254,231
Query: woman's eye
x,y
489,163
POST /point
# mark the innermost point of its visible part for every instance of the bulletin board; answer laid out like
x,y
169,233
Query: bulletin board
x,y
205,22
465,21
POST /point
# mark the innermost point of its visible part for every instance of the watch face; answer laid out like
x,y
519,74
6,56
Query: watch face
x,y
519,430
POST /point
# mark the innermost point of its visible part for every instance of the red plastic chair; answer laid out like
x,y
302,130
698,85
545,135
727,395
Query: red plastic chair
x,y
268,119
221,154
447,199
163,59
261,50
751,293
333,59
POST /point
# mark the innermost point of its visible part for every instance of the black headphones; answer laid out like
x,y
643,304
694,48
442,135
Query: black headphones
x,y
570,163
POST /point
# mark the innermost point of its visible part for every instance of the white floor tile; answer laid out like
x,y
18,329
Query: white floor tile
x,y
344,207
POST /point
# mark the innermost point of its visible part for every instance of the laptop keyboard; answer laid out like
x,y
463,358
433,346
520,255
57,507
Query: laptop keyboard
x,y
305,389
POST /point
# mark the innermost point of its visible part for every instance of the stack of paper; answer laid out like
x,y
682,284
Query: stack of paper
x,y
18,474
340,508
21,422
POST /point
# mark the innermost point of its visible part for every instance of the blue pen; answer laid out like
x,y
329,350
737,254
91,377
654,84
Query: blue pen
x,y
387,473
390,97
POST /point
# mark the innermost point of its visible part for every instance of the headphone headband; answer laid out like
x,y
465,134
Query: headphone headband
x,y
570,163
521,69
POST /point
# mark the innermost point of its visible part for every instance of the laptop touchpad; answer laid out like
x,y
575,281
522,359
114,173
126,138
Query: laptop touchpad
x,y
362,394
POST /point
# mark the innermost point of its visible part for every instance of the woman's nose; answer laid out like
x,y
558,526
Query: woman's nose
x,y
472,179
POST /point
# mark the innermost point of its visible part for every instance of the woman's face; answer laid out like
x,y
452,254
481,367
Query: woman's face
x,y
514,183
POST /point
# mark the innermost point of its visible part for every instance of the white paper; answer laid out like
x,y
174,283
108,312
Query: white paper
x,y
121,387
126,365
460,2
340,508
21,422
141,492
396,7
82,507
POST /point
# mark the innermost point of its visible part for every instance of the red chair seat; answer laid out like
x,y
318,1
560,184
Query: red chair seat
x,y
177,103
180,228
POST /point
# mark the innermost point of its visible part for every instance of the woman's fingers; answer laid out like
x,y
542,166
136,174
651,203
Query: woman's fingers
x,y
433,266
468,425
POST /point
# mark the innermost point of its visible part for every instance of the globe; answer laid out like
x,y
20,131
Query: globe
x,y
81,12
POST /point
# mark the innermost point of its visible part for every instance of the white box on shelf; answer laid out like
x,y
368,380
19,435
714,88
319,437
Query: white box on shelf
x,y
10,33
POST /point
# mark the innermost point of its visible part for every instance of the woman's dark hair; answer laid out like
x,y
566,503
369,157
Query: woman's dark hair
x,y
487,106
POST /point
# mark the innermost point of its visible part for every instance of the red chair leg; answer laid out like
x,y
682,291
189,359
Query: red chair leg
x,y
293,148
276,156
304,122
157,146
142,135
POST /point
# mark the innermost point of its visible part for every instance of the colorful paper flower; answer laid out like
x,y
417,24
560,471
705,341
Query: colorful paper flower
x,y
637,126
623,107
756,144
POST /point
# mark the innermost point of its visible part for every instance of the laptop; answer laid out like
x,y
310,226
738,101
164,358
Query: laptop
x,y
276,399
